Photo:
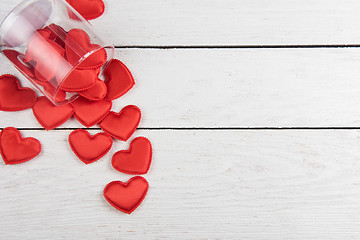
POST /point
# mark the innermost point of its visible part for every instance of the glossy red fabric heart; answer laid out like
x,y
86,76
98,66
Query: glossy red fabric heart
x,y
17,59
123,124
89,112
78,45
96,92
118,79
89,148
79,80
16,149
46,54
49,115
136,160
89,9
58,95
38,35
57,34
126,197
13,97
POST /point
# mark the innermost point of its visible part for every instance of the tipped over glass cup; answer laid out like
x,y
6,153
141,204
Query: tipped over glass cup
x,y
55,48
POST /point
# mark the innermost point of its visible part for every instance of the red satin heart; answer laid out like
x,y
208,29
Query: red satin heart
x,y
89,9
96,92
16,149
118,79
89,112
49,115
17,59
58,95
123,124
78,45
13,97
38,35
126,197
47,55
57,34
44,75
47,72
79,80
136,160
89,148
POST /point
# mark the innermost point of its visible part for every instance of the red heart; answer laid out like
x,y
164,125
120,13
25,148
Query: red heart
x,y
49,115
38,35
126,197
78,45
136,160
58,95
96,92
118,79
123,124
16,149
46,54
13,97
89,148
90,113
89,9
79,80
57,34
17,59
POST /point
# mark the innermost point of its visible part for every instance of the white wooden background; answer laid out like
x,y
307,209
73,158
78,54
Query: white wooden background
x,y
253,109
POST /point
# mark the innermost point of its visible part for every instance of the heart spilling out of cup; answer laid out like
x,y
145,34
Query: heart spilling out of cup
x,y
55,48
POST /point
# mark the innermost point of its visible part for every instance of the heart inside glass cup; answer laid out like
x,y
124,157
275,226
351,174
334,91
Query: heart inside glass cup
x,y
55,48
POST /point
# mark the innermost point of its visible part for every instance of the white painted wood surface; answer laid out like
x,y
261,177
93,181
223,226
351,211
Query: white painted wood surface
x,y
227,22
212,184
237,88
232,22
203,184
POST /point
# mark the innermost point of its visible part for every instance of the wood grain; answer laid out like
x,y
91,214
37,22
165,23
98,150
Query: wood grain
x,y
203,184
236,88
227,22
211,184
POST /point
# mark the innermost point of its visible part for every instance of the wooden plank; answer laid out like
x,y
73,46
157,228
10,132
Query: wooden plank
x,y
228,22
236,88
203,184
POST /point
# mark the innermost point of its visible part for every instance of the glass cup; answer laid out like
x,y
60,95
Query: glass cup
x,y
55,48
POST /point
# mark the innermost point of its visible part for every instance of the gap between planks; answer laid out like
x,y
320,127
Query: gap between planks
x,y
205,129
236,46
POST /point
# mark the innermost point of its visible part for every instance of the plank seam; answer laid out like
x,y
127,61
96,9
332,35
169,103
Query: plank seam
x,y
205,128
236,46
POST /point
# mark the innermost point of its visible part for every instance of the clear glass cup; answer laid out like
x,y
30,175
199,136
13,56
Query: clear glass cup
x,y
55,48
